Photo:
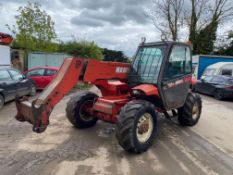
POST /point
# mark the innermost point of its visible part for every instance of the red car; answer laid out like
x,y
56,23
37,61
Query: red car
x,y
42,76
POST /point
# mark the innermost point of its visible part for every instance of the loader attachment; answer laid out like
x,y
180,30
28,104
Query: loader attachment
x,y
37,112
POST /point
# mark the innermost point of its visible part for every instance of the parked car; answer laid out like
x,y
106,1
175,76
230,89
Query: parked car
x,y
12,84
221,68
219,86
42,76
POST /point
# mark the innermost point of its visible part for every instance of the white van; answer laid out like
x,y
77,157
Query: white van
x,y
221,68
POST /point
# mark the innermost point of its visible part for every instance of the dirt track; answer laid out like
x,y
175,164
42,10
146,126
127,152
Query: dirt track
x,y
204,149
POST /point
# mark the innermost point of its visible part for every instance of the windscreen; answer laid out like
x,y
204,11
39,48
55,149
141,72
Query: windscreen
x,y
147,64
209,72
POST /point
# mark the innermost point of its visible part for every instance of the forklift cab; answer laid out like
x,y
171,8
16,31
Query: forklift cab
x,y
167,66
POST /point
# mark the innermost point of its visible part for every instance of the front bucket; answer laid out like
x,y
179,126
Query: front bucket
x,y
33,112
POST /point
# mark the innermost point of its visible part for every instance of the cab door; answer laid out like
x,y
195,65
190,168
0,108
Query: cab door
x,y
177,77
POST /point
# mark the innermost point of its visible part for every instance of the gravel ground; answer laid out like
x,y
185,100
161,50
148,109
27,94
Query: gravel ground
x,y
206,148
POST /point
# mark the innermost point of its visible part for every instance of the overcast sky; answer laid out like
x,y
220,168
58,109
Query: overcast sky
x,y
114,24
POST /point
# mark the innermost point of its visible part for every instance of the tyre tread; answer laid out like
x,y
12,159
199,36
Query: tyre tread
x,y
125,124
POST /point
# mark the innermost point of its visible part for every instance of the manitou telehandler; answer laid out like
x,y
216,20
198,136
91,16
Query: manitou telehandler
x,y
132,95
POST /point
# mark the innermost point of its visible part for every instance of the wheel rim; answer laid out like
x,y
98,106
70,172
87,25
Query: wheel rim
x,y
195,111
144,127
84,110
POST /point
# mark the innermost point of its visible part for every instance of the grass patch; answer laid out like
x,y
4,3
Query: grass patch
x,y
81,86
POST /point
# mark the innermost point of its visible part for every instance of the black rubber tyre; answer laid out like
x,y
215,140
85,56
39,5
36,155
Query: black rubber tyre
x,y
2,101
127,126
218,94
74,107
190,113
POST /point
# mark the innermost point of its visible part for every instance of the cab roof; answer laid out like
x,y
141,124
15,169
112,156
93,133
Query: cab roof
x,y
164,43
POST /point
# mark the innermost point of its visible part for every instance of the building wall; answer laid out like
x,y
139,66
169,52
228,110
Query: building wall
x,y
17,59
5,59
36,59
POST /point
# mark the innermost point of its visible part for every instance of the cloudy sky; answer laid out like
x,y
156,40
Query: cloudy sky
x,y
114,24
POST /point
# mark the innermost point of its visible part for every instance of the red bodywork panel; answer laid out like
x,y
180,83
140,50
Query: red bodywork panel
x,y
5,38
97,70
42,81
148,89
109,77
107,108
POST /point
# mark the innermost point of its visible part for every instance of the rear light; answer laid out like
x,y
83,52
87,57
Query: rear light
x,y
229,87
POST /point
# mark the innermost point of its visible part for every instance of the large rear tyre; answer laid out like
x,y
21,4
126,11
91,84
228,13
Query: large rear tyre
x,y
136,126
190,113
78,110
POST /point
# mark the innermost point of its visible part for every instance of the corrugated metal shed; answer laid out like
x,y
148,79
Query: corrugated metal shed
x,y
36,59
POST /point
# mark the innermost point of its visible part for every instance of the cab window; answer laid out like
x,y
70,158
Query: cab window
x,y
179,62
147,64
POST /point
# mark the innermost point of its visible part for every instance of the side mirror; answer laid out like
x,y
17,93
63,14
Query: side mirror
x,y
23,77
203,80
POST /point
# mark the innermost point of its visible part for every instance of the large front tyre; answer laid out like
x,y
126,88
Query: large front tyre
x,y
136,126
190,113
78,110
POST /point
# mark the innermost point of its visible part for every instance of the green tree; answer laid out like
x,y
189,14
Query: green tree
x,y
113,55
227,47
83,49
205,39
34,29
204,19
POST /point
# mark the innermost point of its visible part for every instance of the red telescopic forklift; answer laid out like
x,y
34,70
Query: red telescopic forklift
x,y
132,95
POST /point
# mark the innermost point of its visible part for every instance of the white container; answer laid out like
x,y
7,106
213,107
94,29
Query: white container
x,y
5,59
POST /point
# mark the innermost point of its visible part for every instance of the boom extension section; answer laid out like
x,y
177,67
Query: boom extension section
x,y
37,112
